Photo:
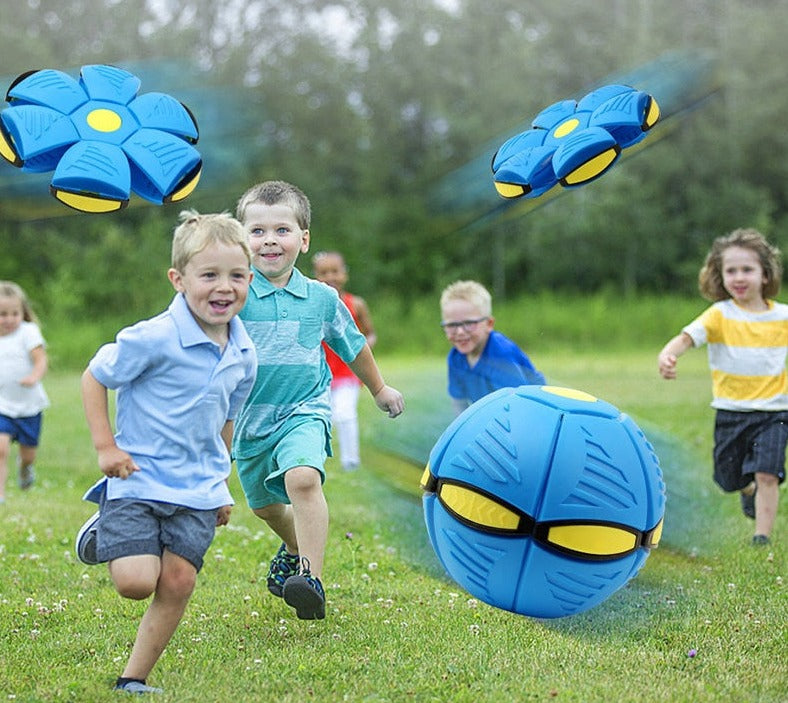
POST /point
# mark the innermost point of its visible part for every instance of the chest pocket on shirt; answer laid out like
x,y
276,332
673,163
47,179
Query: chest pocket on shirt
x,y
310,332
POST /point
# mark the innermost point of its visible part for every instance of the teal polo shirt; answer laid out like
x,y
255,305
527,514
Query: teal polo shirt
x,y
287,326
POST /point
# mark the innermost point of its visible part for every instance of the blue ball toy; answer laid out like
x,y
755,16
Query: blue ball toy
x,y
101,139
573,143
543,501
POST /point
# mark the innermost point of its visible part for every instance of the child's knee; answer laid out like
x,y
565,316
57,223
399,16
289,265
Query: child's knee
x,y
178,581
766,480
302,480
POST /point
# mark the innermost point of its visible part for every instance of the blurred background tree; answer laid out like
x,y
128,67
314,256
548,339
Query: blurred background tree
x,y
369,105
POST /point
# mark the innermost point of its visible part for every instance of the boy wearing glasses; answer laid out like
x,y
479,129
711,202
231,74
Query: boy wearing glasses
x,y
481,360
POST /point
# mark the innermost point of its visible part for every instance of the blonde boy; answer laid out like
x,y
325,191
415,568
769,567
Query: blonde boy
x,y
180,378
481,360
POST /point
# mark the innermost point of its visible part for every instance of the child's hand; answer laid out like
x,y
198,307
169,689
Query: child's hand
x,y
223,515
667,365
115,463
390,401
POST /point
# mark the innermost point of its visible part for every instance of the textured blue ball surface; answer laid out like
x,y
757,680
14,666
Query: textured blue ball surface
x,y
543,501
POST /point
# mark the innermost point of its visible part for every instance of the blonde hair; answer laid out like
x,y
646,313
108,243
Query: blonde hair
x,y
274,193
710,276
198,231
9,289
471,292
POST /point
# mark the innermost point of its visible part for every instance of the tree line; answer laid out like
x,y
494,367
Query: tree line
x,y
369,105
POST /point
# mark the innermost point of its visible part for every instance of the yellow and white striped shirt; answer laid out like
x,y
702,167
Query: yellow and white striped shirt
x,y
747,353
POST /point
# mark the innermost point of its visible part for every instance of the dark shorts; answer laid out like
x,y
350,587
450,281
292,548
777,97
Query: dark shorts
x,y
746,443
129,527
25,430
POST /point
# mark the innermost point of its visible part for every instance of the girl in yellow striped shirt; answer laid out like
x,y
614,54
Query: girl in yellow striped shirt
x,y
747,337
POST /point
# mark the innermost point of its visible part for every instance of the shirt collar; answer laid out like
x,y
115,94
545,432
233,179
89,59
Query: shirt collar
x,y
191,334
297,285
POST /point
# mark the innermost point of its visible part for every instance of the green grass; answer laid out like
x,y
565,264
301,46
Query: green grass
x,y
397,628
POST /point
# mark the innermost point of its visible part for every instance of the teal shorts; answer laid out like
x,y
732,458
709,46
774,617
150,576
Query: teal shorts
x,y
263,476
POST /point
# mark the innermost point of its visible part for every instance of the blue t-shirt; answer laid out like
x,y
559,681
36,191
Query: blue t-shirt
x,y
288,326
176,389
502,365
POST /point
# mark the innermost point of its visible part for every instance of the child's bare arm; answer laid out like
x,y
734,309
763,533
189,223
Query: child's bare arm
x,y
39,357
388,399
670,353
113,461
365,320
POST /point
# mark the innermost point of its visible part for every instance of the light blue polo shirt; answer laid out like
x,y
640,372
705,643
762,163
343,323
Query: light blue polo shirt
x,y
175,391
287,326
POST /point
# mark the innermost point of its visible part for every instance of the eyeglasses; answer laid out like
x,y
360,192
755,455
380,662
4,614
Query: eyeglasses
x,y
594,541
464,325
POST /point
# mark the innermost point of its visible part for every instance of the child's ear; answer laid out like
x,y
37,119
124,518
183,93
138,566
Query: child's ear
x,y
305,241
176,279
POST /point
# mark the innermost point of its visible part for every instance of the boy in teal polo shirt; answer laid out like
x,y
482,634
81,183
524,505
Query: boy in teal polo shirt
x,y
283,433
180,379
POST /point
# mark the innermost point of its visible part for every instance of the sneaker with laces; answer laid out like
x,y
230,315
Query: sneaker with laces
x,y
305,593
85,543
283,566
138,688
748,504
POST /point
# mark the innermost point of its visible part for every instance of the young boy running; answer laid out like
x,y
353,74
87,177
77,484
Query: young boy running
x,y
283,437
180,378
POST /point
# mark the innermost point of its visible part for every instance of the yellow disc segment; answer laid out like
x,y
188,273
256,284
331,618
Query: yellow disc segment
x,y
600,540
570,393
185,190
88,203
591,168
103,120
7,150
477,508
653,114
425,477
509,190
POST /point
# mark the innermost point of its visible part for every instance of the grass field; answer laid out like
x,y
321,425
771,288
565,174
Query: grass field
x,y
397,628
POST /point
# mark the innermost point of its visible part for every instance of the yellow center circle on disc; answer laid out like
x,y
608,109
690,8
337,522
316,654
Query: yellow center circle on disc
x,y
566,128
103,120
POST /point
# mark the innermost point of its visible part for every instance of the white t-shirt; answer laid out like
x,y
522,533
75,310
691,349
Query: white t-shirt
x,y
17,400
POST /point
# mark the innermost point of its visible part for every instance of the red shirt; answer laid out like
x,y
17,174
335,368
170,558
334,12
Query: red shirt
x,y
340,371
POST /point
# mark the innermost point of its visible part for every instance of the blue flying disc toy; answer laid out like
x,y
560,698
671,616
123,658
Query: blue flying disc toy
x,y
573,143
101,138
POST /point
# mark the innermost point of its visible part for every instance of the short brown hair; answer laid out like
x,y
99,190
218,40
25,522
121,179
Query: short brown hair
x,y
274,193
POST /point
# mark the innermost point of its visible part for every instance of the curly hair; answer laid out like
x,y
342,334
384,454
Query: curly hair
x,y
710,277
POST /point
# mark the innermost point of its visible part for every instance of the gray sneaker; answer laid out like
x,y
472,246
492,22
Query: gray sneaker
x,y
137,688
27,475
85,544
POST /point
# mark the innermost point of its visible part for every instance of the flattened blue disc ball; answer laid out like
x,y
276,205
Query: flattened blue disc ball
x,y
543,501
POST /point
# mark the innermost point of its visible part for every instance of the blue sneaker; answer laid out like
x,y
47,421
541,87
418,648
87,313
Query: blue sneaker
x,y
305,593
137,688
85,543
283,566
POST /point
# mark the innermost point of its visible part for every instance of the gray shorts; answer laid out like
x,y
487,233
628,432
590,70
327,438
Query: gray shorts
x,y
746,443
129,527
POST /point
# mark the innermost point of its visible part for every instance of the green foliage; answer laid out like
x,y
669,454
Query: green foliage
x,y
371,112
